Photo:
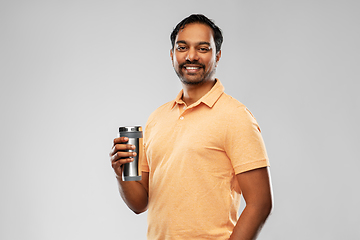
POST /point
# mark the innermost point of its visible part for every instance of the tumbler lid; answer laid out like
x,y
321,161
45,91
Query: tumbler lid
x,y
130,129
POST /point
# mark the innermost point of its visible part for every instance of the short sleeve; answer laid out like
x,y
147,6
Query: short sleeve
x,y
144,166
143,161
244,144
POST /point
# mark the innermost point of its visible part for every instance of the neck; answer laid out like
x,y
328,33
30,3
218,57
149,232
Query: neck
x,y
192,93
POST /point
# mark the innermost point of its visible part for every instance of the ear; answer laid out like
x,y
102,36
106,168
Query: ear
x,y
172,57
218,56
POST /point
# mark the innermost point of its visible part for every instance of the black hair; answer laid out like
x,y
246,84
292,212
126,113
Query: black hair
x,y
198,18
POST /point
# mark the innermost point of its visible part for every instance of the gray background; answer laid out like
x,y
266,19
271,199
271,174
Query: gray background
x,y
73,71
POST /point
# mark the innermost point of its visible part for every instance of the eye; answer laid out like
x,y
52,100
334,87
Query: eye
x,y
181,48
204,49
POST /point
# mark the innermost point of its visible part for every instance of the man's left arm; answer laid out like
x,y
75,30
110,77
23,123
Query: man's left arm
x,y
257,192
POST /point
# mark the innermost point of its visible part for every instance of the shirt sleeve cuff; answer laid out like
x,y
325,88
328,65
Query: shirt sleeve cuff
x,y
144,168
251,166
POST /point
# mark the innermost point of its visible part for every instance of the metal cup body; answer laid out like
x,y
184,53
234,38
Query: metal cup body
x,y
131,170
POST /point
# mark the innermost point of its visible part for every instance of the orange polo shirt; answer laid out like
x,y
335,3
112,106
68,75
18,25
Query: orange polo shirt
x,y
192,154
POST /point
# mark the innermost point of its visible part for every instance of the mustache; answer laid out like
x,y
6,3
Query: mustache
x,y
191,62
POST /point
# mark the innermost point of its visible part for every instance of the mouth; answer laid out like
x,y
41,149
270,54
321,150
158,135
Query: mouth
x,y
192,68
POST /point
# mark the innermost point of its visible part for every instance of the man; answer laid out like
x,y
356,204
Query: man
x,y
201,151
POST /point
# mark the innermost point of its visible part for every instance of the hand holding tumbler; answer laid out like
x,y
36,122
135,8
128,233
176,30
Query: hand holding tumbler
x,y
131,170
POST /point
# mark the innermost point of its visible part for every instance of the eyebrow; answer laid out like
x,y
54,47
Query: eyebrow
x,y
199,43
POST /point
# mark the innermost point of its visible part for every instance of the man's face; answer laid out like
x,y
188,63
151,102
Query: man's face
x,y
194,55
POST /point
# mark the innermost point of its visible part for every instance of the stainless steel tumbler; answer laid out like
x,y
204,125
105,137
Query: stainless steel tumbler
x,y
131,170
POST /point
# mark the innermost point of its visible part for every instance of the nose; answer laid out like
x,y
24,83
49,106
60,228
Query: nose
x,y
192,55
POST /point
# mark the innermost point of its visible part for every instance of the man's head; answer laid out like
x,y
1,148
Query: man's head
x,y
198,18
196,49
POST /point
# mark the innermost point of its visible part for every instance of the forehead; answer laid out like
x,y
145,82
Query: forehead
x,y
195,32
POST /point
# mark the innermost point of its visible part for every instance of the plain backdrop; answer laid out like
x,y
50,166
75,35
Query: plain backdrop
x,y
72,72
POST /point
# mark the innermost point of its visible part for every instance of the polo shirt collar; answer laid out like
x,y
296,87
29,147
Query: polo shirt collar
x,y
208,99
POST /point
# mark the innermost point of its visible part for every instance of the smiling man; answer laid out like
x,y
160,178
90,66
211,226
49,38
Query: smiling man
x,y
201,152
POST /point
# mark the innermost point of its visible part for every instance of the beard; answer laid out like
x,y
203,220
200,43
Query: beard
x,y
193,79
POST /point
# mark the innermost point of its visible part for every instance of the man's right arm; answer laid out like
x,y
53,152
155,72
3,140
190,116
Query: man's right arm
x,y
134,193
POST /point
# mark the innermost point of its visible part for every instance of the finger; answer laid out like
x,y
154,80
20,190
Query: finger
x,y
117,164
121,147
122,155
120,140
120,162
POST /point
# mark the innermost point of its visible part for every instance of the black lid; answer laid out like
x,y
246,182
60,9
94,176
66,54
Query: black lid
x,y
130,129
